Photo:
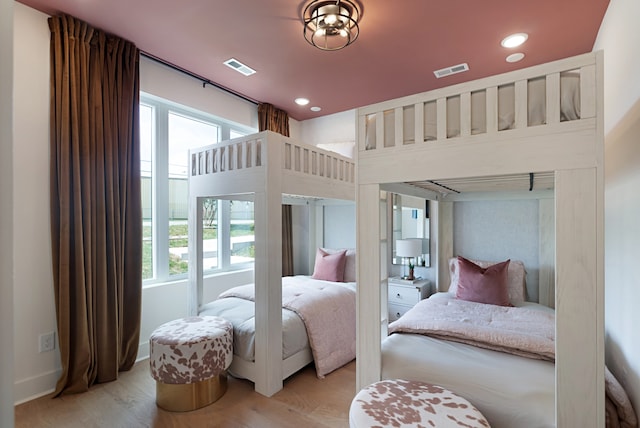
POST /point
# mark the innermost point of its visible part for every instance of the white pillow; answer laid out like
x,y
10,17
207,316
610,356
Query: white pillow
x,y
350,266
515,278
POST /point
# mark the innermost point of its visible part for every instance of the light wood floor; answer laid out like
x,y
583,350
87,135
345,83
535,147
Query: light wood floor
x,y
129,402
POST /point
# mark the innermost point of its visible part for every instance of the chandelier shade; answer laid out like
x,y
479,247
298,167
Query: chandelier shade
x,y
331,25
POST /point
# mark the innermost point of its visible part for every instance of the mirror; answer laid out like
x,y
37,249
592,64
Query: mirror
x,y
411,220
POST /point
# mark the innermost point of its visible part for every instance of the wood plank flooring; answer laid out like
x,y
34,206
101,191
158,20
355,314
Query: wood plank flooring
x,y
129,402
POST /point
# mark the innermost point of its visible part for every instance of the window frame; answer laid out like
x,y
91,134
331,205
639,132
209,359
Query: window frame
x,y
161,109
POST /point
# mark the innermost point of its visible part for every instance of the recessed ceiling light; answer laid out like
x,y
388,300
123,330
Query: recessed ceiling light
x,y
302,101
514,40
515,57
315,108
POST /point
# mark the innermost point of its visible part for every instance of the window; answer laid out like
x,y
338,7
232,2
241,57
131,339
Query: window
x,y
167,132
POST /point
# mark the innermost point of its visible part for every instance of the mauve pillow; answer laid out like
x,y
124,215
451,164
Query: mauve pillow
x,y
483,285
329,267
349,265
516,274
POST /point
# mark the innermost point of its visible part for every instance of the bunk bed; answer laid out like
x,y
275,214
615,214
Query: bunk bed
x,y
262,167
462,131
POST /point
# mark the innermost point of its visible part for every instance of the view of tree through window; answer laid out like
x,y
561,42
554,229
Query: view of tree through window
x,y
167,133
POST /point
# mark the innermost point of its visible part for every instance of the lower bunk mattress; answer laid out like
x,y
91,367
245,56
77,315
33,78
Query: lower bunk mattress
x,y
509,390
317,316
500,358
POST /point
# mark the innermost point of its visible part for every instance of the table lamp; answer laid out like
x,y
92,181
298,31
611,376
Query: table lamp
x,y
408,248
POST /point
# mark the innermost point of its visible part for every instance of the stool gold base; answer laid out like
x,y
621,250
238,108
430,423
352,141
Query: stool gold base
x,y
190,396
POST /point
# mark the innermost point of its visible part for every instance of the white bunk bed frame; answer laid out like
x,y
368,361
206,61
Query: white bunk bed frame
x,y
573,150
262,167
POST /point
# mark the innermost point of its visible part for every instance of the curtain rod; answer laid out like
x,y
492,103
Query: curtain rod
x,y
204,81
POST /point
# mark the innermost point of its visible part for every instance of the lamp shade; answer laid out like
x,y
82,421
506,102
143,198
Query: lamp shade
x,y
408,247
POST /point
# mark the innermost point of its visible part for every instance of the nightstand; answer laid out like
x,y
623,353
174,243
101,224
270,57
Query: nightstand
x,y
403,295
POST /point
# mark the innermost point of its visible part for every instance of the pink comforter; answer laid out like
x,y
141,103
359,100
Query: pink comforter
x,y
328,311
525,332
521,331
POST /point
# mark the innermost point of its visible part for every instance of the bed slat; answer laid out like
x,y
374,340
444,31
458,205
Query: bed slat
x,y
588,91
465,114
521,105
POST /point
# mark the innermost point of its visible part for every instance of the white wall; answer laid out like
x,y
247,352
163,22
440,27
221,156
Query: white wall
x,y
339,225
620,39
330,129
35,373
499,230
335,132
6,213
162,81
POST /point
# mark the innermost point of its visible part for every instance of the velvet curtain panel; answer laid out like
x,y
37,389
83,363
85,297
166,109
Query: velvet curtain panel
x,y
96,215
287,241
273,119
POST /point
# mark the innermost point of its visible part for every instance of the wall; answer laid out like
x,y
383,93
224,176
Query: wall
x,y
162,81
331,129
6,213
499,230
35,372
340,225
620,39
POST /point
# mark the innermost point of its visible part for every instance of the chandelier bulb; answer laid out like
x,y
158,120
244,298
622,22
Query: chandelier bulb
x,y
330,19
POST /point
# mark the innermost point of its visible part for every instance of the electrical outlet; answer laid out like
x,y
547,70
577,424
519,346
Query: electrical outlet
x,y
47,342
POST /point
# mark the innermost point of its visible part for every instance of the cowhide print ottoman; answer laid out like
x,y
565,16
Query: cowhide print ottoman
x,y
189,358
406,403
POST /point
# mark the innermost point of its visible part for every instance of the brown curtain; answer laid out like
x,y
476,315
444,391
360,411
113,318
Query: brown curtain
x,y
287,241
273,119
96,220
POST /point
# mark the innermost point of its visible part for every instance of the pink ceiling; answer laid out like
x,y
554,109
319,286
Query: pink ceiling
x,y
401,43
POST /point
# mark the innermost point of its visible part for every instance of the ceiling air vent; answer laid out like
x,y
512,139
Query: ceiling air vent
x,y
451,70
239,67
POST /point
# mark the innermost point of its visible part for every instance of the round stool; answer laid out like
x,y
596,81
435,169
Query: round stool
x,y
407,403
189,358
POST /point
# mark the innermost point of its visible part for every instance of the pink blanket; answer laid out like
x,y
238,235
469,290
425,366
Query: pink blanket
x,y
328,311
526,332
521,331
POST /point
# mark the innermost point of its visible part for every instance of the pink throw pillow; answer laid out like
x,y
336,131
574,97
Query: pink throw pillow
x,y
483,285
330,267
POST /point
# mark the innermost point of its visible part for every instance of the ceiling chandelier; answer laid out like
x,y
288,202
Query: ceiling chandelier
x,y
331,24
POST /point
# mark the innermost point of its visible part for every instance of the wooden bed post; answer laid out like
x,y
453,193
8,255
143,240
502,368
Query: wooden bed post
x,y
579,300
195,248
368,304
268,278
444,243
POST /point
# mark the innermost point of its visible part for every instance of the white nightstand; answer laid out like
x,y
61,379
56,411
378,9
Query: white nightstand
x,y
403,295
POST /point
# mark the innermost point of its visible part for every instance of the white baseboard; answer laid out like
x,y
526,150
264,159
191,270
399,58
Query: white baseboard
x,y
143,351
35,387
44,384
